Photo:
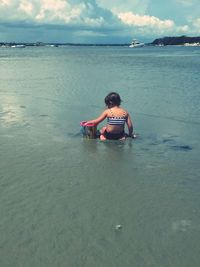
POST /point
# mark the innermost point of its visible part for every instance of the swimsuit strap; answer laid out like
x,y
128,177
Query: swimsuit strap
x,y
124,114
111,112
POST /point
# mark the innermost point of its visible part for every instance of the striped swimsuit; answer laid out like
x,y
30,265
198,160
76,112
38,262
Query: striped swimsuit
x,y
114,120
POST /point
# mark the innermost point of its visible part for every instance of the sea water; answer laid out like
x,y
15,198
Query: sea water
x,y
70,201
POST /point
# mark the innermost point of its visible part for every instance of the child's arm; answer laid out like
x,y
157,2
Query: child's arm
x,y
130,125
99,119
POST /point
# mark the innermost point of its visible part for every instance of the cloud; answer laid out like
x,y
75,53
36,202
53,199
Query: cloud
x,y
116,6
146,25
145,21
60,12
5,2
93,18
71,18
196,25
26,7
183,29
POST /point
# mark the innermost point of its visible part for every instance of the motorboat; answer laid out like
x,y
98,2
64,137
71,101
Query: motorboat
x,y
18,46
136,43
191,44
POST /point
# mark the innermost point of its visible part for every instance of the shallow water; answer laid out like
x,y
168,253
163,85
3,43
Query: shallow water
x,y
61,196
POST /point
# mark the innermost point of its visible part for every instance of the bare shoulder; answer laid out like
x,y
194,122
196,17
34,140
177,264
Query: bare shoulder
x,y
125,112
106,111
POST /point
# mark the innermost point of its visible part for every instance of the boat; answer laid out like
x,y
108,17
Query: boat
x,y
18,46
191,44
136,43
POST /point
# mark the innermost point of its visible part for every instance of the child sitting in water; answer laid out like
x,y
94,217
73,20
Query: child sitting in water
x,y
117,117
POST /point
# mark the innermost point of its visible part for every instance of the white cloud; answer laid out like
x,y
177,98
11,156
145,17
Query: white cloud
x,y
196,26
5,2
96,17
196,23
60,12
52,10
149,25
145,21
95,22
26,7
183,29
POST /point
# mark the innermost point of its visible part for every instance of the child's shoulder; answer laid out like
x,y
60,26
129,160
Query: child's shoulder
x,y
106,110
124,111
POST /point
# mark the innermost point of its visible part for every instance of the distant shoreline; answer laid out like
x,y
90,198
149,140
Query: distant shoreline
x,y
178,40
41,44
165,41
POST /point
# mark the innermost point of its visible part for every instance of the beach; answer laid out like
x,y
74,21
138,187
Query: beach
x,y
63,196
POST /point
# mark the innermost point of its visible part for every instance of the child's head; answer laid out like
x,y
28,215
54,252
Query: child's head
x,y
112,99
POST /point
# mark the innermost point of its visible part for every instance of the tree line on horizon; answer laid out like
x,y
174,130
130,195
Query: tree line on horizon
x,y
176,40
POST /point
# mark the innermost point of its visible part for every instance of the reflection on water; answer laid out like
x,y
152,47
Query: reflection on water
x,y
11,112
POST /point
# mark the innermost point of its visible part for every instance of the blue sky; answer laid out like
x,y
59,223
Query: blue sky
x,y
97,21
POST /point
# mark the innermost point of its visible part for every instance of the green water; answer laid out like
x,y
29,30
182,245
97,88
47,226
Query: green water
x,y
61,196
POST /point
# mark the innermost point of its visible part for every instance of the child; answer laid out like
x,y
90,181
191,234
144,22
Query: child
x,y
117,117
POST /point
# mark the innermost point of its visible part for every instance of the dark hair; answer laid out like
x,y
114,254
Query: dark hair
x,y
112,99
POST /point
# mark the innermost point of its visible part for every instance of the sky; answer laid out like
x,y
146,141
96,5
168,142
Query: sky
x,y
97,21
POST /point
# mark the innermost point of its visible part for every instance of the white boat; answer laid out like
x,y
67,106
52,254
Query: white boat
x,y
192,44
136,43
18,46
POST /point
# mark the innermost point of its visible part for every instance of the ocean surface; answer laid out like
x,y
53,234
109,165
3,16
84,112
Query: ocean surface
x,y
66,201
